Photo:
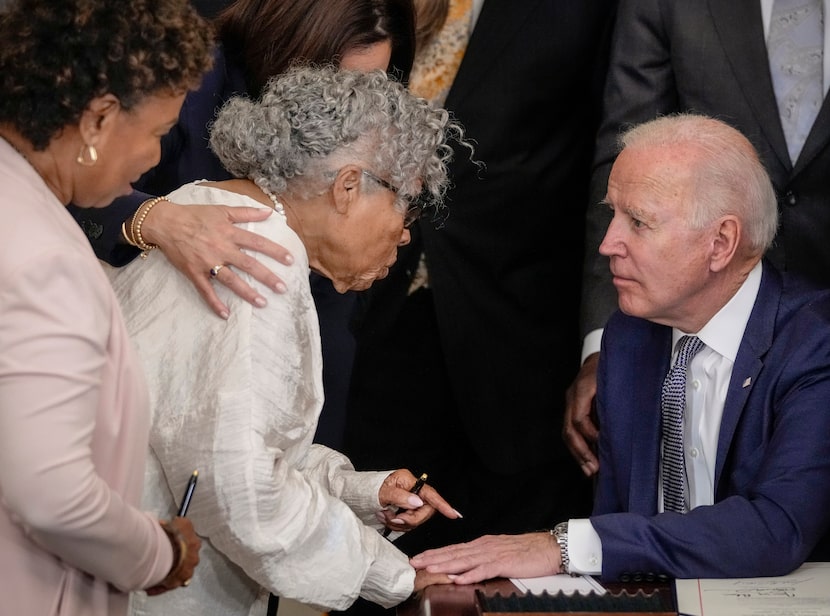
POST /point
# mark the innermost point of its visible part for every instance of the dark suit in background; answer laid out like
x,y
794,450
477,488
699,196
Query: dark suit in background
x,y
707,56
465,380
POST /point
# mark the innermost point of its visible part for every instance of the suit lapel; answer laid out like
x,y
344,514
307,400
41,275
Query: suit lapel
x,y
497,24
818,137
756,342
651,364
741,31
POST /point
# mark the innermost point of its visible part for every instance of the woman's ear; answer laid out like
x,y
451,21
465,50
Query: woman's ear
x,y
98,118
347,187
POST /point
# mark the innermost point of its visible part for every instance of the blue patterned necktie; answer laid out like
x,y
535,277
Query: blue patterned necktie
x,y
673,403
795,48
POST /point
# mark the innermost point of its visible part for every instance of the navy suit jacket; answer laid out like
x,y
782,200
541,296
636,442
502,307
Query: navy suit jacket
x,y
772,475
707,56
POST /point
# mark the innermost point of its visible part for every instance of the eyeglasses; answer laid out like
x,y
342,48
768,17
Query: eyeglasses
x,y
413,207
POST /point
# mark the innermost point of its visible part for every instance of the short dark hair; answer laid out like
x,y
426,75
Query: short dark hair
x,y
268,36
55,57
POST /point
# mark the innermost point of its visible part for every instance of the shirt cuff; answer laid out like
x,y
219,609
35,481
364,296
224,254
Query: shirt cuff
x,y
591,343
390,579
584,548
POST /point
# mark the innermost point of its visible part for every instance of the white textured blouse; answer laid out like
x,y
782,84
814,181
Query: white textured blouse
x,y
239,401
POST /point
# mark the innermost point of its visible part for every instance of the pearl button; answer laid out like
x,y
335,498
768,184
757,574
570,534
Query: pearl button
x,y
696,384
694,452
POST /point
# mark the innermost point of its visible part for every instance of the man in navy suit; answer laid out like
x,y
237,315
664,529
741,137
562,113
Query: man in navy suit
x,y
694,211
704,56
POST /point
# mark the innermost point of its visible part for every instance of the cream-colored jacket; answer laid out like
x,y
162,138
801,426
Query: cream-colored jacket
x,y
239,401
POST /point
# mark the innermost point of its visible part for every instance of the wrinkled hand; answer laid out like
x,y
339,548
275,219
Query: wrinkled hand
x,y
491,556
424,578
197,238
182,571
394,493
579,430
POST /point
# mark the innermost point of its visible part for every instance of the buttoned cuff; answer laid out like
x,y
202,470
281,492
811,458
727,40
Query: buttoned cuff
x,y
584,548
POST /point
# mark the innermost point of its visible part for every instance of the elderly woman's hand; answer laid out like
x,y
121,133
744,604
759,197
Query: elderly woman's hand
x,y
197,239
491,556
404,510
186,545
424,578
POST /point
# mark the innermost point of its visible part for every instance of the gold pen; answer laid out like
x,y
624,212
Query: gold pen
x,y
414,490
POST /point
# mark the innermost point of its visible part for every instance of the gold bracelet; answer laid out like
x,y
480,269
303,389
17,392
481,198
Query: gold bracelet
x,y
127,237
137,221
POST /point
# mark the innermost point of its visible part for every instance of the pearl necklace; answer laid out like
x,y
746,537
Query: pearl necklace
x,y
278,208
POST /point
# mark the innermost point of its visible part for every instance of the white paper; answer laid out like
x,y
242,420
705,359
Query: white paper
x,y
804,592
568,584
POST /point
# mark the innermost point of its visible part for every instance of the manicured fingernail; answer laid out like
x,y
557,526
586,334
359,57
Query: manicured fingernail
x,y
260,302
289,259
415,500
280,288
452,576
396,521
224,315
458,513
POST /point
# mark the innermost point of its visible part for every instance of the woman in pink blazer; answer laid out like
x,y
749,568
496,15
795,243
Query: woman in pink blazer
x,y
89,88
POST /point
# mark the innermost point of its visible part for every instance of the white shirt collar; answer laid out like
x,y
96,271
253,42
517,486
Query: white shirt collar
x,y
724,331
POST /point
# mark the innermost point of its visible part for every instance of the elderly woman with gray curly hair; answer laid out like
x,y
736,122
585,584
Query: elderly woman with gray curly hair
x,y
342,157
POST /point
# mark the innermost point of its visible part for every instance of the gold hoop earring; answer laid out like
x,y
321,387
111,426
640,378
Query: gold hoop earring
x,y
88,155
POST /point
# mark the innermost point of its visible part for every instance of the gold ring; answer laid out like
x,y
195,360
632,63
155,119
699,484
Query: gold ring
x,y
214,271
186,582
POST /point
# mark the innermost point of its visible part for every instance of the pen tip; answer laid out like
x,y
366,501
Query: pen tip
x,y
423,477
195,473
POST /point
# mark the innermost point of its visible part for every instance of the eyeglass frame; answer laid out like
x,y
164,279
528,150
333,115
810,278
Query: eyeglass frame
x,y
414,209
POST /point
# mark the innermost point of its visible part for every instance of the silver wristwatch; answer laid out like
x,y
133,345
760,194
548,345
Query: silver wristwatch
x,y
560,532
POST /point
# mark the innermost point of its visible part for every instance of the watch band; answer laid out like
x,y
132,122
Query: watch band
x,y
560,532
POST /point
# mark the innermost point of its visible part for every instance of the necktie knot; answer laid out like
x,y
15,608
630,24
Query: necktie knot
x,y
673,404
687,347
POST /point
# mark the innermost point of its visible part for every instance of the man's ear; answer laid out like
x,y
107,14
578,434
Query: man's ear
x,y
347,187
725,243
99,118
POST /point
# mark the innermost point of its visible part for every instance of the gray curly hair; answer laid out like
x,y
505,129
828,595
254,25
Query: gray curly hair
x,y
312,120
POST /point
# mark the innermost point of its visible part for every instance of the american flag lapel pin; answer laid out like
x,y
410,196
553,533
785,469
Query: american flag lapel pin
x,y
747,381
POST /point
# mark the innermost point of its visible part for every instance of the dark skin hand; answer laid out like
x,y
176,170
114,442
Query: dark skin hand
x,y
196,238
423,579
182,572
418,508
580,431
